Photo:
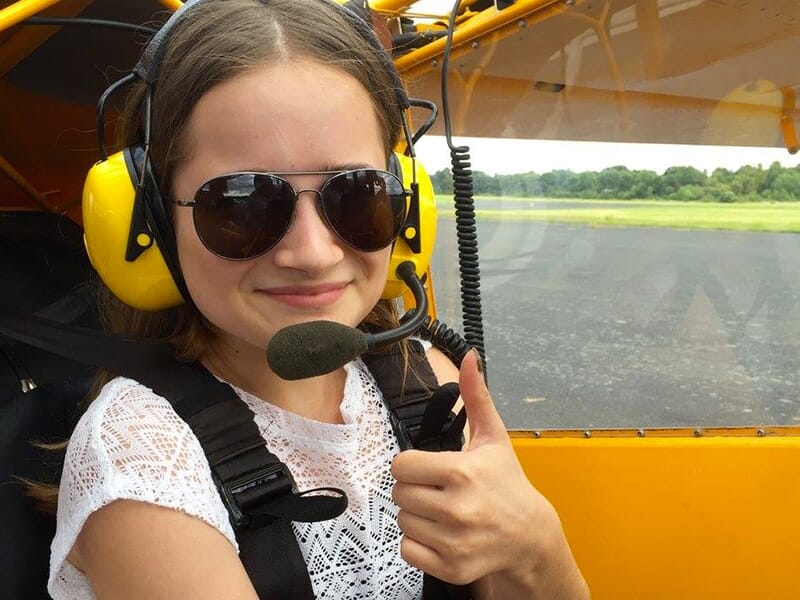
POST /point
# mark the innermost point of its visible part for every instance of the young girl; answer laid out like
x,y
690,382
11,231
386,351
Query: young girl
x,y
289,88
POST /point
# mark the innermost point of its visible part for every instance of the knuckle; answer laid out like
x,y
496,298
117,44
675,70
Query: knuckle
x,y
484,395
401,462
405,552
447,572
460,475
464,551
402,520
396,494
456,574
464,515
461,578
455,554
396,465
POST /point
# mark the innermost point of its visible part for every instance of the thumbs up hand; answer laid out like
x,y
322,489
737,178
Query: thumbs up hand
x,y
473,515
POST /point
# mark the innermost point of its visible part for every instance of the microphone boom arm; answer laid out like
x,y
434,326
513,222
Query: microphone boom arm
x,y
407,272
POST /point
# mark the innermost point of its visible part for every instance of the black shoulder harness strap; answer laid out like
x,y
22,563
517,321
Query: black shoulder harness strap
x,y
420,409
256,487
422,418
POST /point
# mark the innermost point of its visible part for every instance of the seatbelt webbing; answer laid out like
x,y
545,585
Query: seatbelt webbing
x,y
236,452
420,411
230,438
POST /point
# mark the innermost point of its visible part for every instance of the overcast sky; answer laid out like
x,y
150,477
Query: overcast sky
x,y
520,156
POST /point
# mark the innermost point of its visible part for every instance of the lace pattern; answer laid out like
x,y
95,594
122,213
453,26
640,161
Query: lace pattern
x,y
130,444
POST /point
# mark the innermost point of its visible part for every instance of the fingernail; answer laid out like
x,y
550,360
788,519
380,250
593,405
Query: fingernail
x,y
479,360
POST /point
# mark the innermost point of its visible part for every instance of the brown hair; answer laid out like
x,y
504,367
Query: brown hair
x,y
213,42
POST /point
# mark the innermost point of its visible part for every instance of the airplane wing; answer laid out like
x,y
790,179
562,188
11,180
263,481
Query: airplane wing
x,y
663,71
717,72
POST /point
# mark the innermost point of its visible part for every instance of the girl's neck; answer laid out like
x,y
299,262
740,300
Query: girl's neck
x,y
317,398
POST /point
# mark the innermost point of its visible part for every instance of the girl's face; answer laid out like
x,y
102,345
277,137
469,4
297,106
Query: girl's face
x,y
296,115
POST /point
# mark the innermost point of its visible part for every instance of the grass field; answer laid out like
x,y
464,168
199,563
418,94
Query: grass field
x,y
751,216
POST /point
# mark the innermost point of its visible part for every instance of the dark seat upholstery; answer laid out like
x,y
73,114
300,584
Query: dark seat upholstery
x,y
43,268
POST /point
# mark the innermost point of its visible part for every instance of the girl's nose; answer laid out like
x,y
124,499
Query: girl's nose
x,y
309,245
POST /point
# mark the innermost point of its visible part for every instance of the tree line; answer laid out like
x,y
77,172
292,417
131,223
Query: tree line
x,y
747,184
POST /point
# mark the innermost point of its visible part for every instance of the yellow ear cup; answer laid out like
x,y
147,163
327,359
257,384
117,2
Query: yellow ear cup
x,y
108,199
426,230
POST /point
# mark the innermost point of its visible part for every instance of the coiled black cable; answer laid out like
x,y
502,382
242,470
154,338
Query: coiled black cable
x,y
440,335
445,339
466,230
467,238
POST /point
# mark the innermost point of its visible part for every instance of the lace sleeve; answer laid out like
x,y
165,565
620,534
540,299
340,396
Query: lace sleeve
x,y
131,445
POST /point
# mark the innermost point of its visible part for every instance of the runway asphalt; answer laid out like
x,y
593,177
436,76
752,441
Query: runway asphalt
x,y
636,327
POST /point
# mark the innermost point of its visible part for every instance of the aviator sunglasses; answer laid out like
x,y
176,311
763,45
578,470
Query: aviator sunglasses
x,y
240,216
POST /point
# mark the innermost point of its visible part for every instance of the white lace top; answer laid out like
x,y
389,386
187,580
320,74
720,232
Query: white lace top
x,y
130,444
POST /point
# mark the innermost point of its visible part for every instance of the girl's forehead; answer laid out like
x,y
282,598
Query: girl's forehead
x,y
293,115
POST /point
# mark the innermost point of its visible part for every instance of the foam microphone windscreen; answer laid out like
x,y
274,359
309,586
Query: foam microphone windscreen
x,y
314,348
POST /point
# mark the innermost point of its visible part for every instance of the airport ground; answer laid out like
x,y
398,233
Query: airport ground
x,y
589,326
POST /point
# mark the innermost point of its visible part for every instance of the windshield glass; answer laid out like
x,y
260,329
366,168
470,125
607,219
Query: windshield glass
x,y
649,277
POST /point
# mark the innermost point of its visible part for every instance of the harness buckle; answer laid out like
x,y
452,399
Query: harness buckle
x,y
401,431
258,488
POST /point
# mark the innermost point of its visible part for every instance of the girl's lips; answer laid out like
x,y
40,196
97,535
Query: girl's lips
x,y
315,296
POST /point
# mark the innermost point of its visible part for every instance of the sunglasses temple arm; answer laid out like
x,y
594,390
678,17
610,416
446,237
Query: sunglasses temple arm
x,y
407,272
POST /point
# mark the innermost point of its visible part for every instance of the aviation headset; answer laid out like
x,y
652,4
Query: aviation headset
x,y
128,232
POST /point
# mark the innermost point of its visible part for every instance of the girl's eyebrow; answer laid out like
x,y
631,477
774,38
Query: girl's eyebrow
x,y
326,169
350,167
333,168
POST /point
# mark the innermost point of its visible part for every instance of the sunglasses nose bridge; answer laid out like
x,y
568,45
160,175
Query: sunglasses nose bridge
x,y
311,190
317,202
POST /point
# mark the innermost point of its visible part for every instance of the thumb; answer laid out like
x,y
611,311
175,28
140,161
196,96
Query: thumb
x,y
485,424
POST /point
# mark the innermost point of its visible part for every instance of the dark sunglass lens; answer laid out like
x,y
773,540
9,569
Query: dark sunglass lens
x,y
244,215
366,208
